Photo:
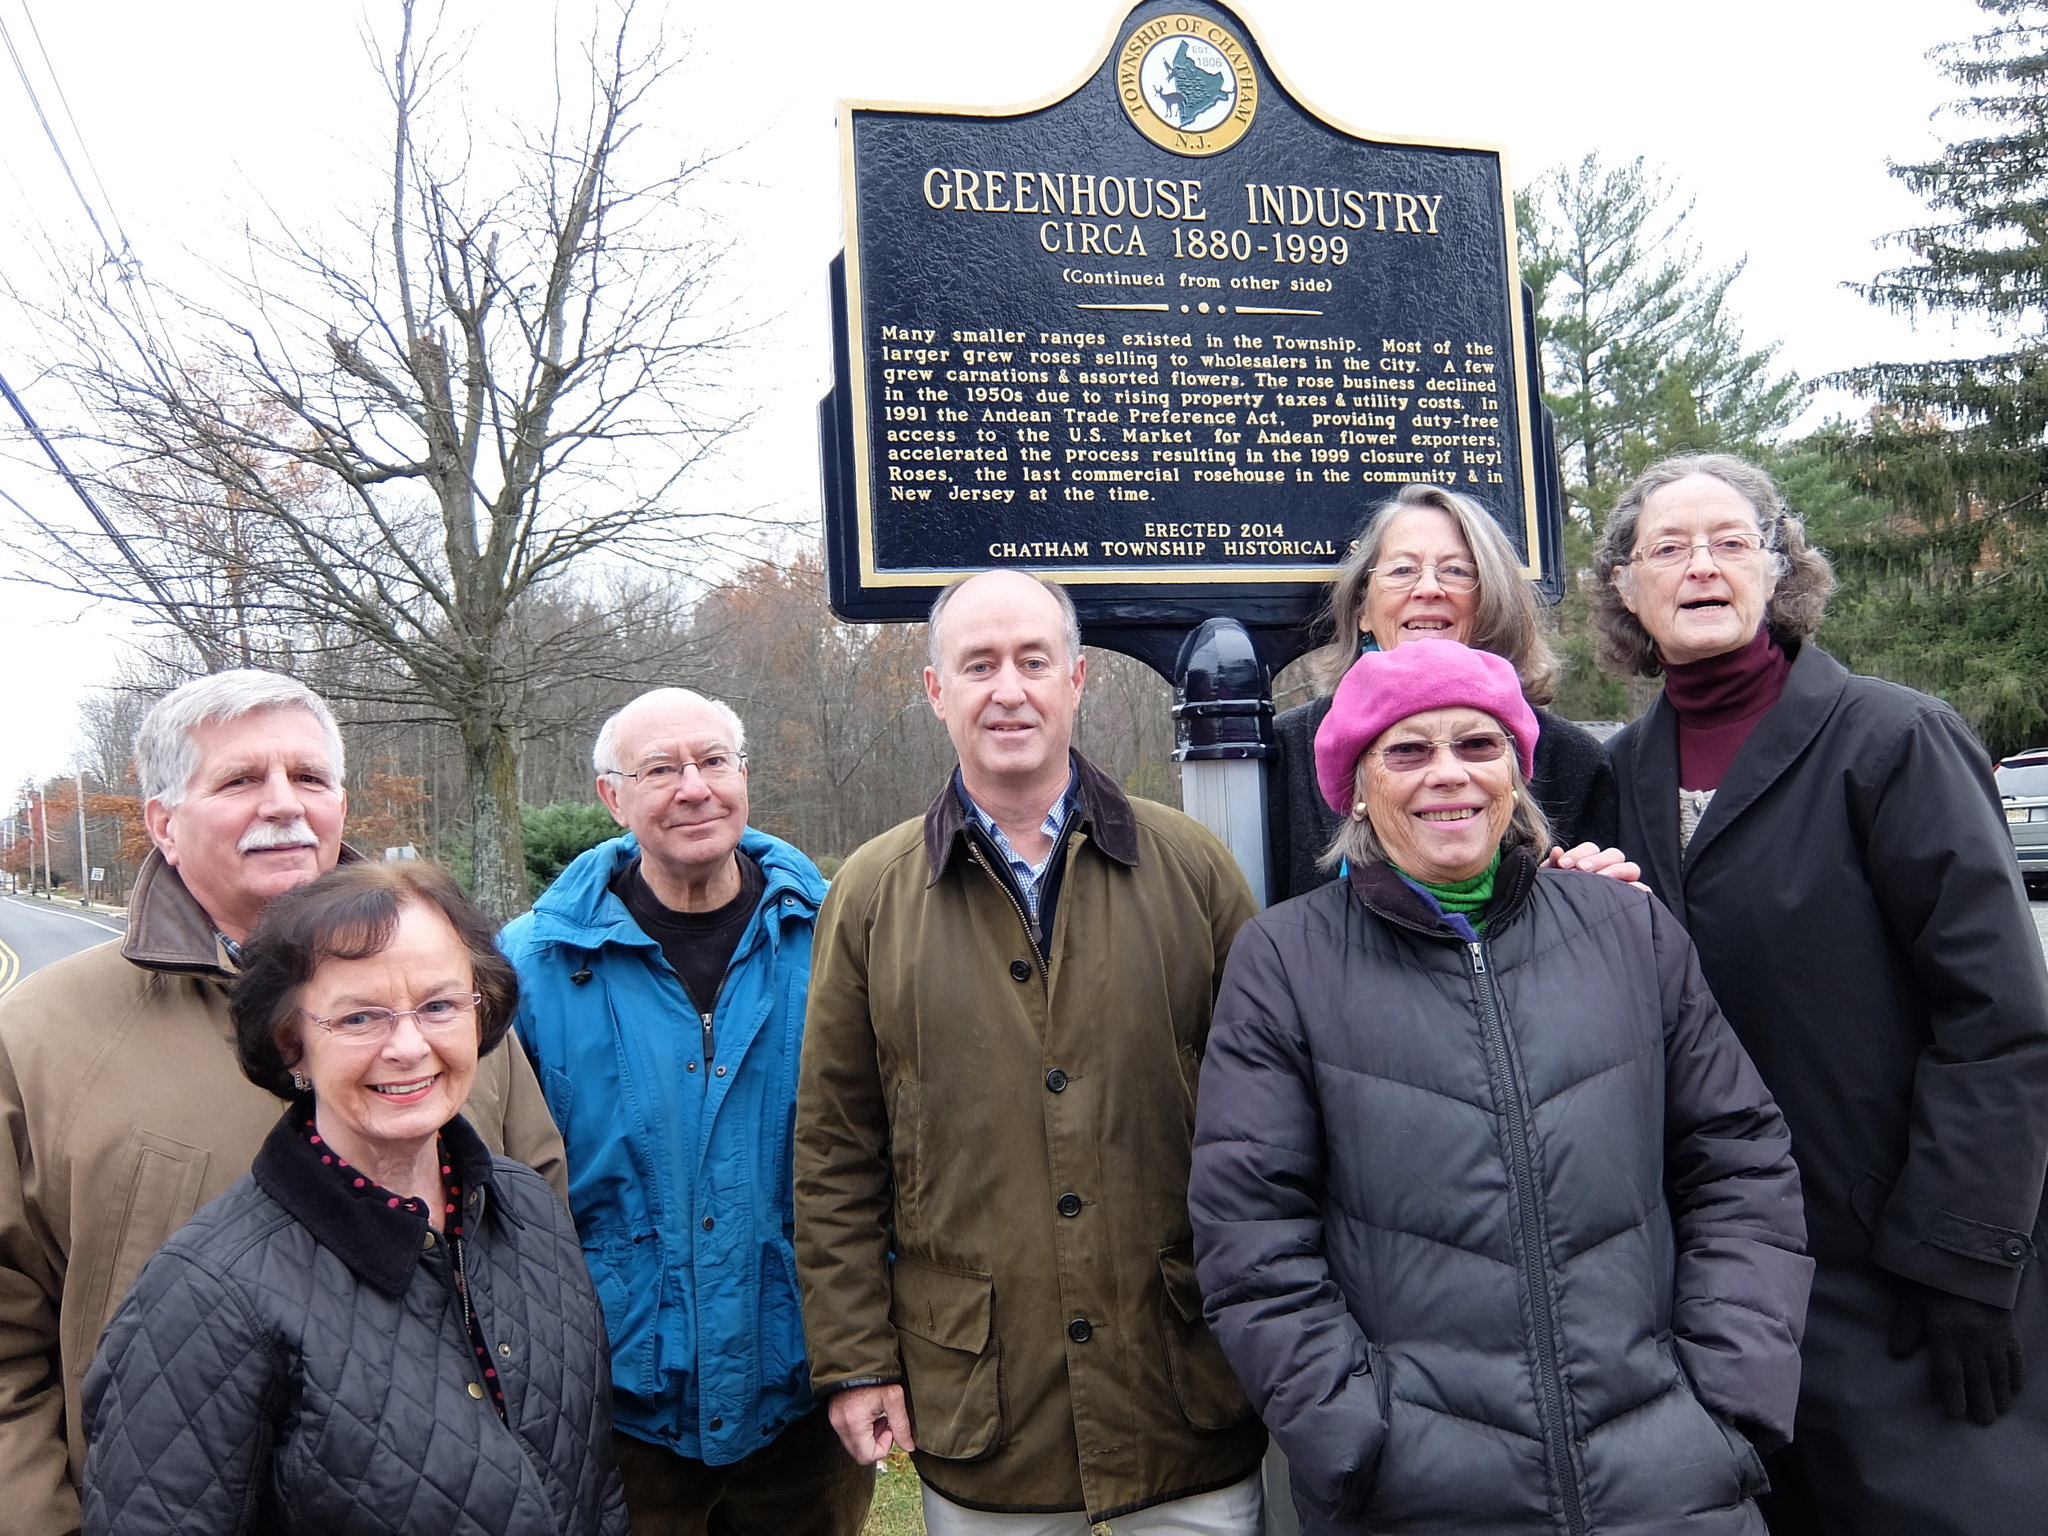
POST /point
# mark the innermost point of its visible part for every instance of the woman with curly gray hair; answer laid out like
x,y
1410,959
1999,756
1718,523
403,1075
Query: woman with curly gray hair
x,y
1834,845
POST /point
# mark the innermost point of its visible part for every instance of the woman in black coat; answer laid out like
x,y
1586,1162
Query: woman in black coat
x,y
382,1329
1433,564
1492,1216
1835,848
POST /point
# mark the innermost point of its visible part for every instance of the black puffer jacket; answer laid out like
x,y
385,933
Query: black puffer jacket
x,y
1498,1236
296,1360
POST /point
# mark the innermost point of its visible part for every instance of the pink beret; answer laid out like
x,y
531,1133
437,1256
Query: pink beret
x,y
1384,688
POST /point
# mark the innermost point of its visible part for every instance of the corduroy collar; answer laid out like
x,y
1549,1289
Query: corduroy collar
x,y
1104,809
167,928
381,1245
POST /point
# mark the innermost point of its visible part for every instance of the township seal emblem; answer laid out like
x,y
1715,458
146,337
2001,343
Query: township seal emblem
x,y
1187,84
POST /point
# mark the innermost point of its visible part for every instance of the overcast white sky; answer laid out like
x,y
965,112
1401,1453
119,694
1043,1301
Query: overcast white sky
x,y
1777,115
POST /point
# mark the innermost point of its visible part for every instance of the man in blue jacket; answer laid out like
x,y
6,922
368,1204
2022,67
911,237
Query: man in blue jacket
x,y
662,981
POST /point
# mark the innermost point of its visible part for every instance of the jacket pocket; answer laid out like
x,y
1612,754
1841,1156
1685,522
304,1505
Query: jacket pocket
x,y
1749,1466
952,1359
163,1192
560,1094
1210,1397
1868,1197
903,1157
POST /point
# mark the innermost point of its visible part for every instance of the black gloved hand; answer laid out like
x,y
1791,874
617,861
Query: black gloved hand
x,y
1978,1366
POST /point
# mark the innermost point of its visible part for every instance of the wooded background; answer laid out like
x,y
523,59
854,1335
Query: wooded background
x,y
443,472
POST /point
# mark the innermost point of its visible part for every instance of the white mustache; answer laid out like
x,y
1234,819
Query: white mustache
x,y
270,834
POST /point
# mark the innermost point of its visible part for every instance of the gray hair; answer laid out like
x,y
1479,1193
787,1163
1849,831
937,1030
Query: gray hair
x,y
604,756
1800,574
166,756
1504,621
1070,621
1359,844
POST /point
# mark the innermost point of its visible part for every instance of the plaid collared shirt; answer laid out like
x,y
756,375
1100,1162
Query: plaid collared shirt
x,y
1029,877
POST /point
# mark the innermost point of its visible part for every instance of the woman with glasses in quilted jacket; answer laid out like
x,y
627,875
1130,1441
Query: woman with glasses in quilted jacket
x,y
382,1328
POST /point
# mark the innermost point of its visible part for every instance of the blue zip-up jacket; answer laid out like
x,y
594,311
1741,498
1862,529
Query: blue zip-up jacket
x,y
679,1168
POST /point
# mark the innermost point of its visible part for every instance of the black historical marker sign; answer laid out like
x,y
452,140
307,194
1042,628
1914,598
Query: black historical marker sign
x,y
1167,336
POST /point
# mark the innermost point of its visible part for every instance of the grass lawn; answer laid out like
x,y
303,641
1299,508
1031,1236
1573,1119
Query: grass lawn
x,y
897,1510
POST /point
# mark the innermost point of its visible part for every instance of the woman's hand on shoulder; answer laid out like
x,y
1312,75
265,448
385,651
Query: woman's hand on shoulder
x,y
1592,859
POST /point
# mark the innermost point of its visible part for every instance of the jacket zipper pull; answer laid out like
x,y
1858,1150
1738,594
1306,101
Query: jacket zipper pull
x,y
1478,956
704,1019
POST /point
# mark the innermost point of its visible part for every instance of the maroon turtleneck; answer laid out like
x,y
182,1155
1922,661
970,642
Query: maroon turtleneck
x,y
1718,702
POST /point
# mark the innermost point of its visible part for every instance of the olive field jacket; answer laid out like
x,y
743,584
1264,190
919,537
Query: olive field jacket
x,y
992,1155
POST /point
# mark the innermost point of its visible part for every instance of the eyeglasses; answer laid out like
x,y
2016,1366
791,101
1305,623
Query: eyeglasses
x,y
1451,575
1407,756
712,767
367,1024
1722,549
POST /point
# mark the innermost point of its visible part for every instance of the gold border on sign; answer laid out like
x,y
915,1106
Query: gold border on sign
x,y
1527,404
1130,93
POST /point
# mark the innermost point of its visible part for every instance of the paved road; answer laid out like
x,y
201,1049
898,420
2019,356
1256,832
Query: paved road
x,y
33,933
2040,911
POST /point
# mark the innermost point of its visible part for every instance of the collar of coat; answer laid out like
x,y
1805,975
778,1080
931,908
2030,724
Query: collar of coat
x,y
1647,767
167,928
381,1246
1103,809
581,910
1394,899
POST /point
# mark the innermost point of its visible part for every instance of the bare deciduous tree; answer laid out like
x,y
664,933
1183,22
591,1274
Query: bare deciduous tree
x,y
397,451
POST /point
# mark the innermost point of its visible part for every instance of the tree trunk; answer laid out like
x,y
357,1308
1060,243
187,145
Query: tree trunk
x,y
497,848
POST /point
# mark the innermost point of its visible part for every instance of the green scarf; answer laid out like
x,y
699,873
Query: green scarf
x,y
1466,897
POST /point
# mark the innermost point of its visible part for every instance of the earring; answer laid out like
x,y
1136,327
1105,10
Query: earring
x,y
299,1082
1358,810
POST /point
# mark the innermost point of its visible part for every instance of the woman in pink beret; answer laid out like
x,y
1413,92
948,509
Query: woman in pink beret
x,y
1494,1218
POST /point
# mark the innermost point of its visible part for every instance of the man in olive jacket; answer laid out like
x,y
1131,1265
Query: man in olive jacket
x,y
123,1105
1009,1001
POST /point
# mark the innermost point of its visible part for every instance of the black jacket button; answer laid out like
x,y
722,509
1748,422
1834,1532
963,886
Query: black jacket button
x,y
1020,970
1080,1330
1070,1205
1056,1080
2015,1248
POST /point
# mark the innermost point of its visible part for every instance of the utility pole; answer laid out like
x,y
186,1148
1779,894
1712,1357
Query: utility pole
x,y
84,883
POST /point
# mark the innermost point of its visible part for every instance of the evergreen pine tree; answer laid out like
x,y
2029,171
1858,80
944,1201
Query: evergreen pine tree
x,y
1641,354
1641,358
1942,559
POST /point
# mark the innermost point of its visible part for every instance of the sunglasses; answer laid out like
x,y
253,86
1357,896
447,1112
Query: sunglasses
x,y
1407,756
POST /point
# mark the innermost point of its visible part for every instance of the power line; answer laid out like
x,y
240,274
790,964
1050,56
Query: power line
x,y
135,562
35,101
77,133
124,260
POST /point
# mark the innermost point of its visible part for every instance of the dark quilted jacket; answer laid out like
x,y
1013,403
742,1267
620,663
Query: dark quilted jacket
x,y
295,1360
1498,1236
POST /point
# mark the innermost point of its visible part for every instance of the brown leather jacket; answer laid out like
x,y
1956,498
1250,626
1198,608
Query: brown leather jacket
x,y
1016,1132
124,1112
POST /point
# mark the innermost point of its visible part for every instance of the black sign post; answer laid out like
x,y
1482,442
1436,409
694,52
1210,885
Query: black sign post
x,y
1167,336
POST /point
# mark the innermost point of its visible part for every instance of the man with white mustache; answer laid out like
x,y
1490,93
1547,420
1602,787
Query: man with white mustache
x,y
123,1106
